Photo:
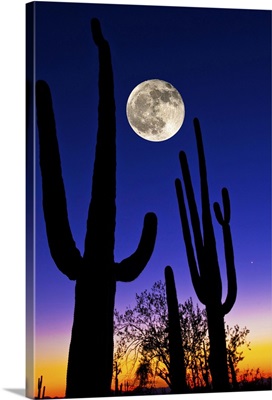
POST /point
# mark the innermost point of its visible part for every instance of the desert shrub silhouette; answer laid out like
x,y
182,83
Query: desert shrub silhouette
x,y
90,361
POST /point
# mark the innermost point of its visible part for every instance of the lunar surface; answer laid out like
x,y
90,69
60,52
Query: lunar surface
x,y
155,110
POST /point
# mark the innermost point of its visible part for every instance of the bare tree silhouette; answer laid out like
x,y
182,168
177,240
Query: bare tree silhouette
x,y
90,361
204,267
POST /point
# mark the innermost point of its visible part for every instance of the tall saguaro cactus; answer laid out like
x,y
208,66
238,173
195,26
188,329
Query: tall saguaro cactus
x,y
90,361
204,266
176,351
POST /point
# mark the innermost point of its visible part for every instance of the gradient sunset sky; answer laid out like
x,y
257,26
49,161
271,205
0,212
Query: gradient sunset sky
x,y
220,61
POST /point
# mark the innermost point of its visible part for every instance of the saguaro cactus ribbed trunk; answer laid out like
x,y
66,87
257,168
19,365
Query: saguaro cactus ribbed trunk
x,y
176,351
90,361
204,267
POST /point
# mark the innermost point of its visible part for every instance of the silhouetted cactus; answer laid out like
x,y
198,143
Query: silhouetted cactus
x,y
204,267
177,368
90,359
39,386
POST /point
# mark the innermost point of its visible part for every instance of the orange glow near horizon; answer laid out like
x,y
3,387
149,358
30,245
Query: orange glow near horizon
x,y
260,356
51,363
54,374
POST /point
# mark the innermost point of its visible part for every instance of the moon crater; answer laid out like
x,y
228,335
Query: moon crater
x,y
155,110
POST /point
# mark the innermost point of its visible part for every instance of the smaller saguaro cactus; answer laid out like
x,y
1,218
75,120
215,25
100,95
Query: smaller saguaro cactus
x,y
40,380
203,260
176,351
39,386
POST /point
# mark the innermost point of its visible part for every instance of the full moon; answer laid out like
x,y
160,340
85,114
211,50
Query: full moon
x,y
155,110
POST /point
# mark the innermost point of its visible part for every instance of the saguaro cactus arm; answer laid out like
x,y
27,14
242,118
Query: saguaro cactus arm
x,y
226,208
229,254
192,208
208,231
62,246
196,279
131,267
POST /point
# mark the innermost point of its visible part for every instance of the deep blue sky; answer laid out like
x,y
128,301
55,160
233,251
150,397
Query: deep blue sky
x,y
220,61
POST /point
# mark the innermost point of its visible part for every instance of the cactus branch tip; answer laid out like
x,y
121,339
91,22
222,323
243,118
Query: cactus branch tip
x,y
196,122
168,271
96,31
151,217
42,88
182,156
